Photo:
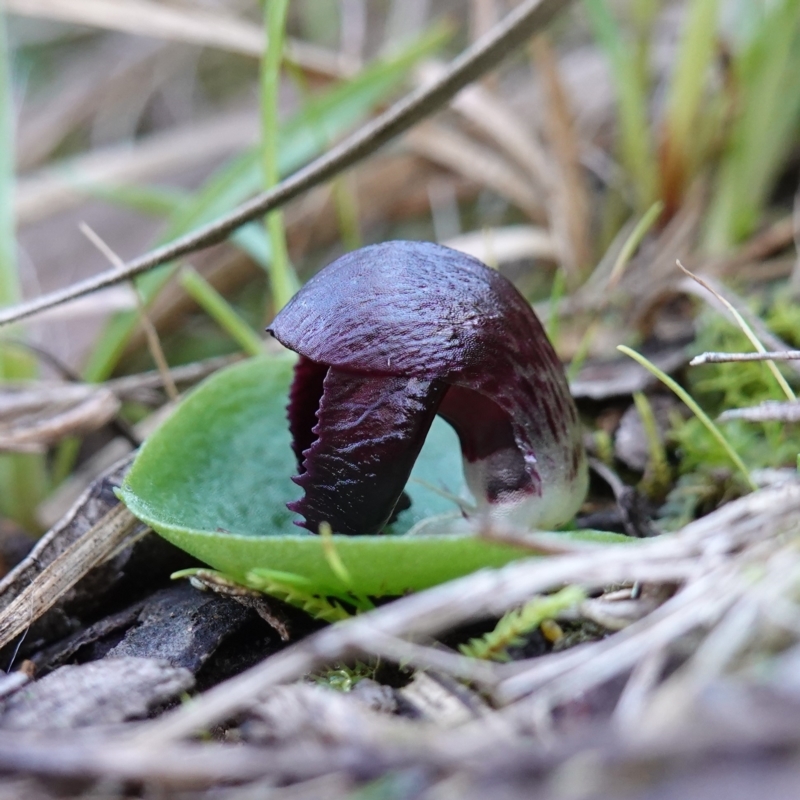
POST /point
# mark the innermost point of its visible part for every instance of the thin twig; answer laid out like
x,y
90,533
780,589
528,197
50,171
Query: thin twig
x,y
521,23
746,329
768,411
764,334
724,358
150,332
187,373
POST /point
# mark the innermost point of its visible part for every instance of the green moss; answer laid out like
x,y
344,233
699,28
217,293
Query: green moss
x,y
343,677
706,479
718,387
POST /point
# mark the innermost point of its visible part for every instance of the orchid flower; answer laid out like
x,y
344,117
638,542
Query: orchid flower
x,y
391,335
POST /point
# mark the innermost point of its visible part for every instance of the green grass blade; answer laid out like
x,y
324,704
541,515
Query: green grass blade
x,y
557,291
636,149
765,73
9,280
695,55
346,204
157,201
646,222
221,311
695,408
657,477
283,279
23,480
747,331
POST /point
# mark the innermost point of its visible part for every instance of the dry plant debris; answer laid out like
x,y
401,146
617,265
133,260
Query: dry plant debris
x,y
724,585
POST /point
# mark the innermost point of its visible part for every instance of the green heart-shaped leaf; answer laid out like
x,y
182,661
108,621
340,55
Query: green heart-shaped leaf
x,y
215,479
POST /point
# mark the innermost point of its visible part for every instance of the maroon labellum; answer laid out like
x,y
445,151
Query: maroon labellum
x,y
393,334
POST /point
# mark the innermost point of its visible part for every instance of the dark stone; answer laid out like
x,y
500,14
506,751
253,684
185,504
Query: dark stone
x,y
183,626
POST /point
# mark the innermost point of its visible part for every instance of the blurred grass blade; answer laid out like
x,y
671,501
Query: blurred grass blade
x,y
696,410
148,18
23,480
345,201
765,78
680,143
657,476
200,26
221,311
557,291
630,83
283,280
253,239
157,201
633,241
301,139
746,330
9,280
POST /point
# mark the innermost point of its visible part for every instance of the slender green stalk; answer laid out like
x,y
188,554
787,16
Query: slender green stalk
x,y
283,278
582,351
696,410
765,128
625,253
553,326
332,556
633,241
657,476
644,15
9,279
681,141
23,480
748,332
218,308
346,202
636,148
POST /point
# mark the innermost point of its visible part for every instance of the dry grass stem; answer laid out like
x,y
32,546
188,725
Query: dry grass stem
x,y
489,114
42,412
510,243
186,374
41,419
93,548
464,156
569,200
150,332
764,334
182,24
83,88
63,185
639,686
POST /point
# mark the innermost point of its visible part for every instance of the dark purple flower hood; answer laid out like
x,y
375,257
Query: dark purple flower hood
x,y
393,334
